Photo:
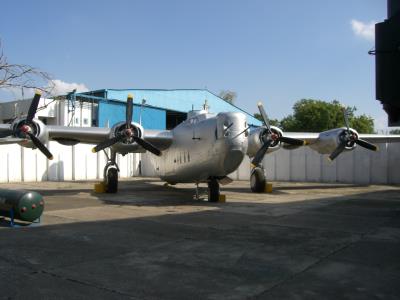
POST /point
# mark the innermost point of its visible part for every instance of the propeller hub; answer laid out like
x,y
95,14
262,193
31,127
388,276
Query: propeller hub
x,y
25,128
128,132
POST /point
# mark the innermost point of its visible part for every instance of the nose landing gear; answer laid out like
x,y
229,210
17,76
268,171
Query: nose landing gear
x,y
213,190
258,180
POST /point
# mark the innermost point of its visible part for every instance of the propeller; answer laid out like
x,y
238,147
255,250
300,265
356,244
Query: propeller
x,y
127,134
270,138
348,138
24,128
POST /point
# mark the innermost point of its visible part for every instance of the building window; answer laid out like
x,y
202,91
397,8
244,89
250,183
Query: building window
x,y
85,121
76,120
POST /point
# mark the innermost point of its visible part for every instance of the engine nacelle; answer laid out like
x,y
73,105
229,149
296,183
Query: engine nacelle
x,y
128,144
257,138
37,128
329,140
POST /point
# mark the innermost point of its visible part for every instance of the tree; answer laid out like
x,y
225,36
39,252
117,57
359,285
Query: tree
x,y
363,124
272,122
21,77
228,96
315,116
395,131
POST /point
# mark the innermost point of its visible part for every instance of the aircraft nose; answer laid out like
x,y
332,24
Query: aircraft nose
x,y
233,160
232,124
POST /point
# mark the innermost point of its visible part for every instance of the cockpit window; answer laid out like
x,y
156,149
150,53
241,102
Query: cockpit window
x,y
193,120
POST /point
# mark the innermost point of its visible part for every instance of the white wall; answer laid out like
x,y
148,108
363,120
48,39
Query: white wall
x,y
79,163
303,164
69,163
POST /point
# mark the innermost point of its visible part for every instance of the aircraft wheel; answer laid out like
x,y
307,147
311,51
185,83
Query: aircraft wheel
x,y
257,180
112,180
213,190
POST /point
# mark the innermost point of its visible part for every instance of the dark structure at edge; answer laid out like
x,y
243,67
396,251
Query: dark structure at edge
x,y
387,60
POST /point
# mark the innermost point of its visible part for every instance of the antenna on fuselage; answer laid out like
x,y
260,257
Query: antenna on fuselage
x,y
205,105
141,110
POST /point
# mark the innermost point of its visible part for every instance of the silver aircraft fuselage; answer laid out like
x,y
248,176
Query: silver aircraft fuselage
x,y
204,146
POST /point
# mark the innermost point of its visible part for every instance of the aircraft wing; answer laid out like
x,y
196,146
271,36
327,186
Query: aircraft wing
x,y
11,140
312,137
5,135
5,129
74,135
123,138
309,137
380,138
66,135
161,139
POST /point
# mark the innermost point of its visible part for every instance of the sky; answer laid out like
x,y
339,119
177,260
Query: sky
x,y
276,51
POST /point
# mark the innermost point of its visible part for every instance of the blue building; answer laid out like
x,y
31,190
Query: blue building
x,y
157,109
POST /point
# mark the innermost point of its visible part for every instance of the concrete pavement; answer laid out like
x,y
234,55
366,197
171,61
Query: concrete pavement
x,y
303,241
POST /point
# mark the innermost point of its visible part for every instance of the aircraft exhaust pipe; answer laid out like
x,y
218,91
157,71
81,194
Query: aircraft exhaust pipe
x,y
25,205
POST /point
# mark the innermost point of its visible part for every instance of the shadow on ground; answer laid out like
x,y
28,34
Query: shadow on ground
x,y
332,247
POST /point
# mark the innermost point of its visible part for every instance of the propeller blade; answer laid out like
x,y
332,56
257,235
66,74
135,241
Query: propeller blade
x,y
366,145
6,133
40,146
129,110
291,141
107,143
33,107
346,118
146,145
264,115
261,153
339,149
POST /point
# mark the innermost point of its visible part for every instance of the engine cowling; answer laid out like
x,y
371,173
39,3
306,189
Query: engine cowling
x,y
36,127
329,140
257,138
127,144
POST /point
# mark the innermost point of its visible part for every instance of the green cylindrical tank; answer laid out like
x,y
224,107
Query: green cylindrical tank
x,y
27,206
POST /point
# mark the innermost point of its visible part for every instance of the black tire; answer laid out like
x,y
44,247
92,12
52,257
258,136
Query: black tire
x,y
213,190
257,180
112,180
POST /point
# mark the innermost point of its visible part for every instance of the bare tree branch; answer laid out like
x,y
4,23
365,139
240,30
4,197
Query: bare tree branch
x,y
20,76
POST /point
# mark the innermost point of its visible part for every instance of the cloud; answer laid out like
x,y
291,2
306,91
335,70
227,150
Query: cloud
x,y
364,30
55,87
62,87
381,122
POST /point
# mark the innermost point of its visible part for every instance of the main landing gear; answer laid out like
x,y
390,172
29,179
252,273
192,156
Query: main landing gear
x,y
111,173
258,180
213,190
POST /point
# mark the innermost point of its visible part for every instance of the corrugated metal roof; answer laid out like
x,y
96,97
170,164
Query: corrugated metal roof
x,y
182,100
